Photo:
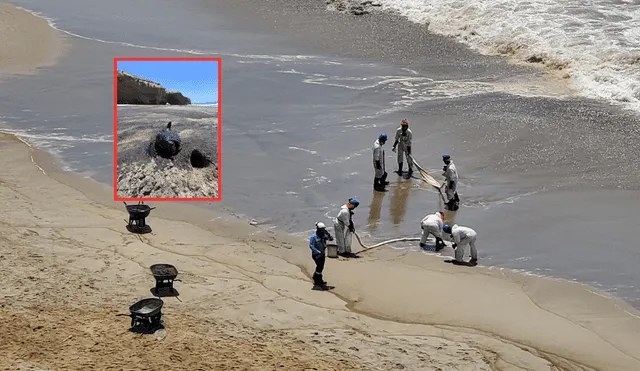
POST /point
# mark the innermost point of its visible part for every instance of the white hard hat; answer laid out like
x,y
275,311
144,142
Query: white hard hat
x,y
321,225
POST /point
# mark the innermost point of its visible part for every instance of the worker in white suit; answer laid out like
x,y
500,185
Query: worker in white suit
x,y
463,237
380,173
402,142
450,184
432,224
344,228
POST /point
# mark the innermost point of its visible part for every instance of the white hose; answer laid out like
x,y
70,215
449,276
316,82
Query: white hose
x,y
366,248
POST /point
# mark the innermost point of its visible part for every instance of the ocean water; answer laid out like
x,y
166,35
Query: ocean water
x,y
595,42
298,129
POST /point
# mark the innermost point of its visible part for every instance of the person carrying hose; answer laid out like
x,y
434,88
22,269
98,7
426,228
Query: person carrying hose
x,y
344,228
318,245
403,143
432,224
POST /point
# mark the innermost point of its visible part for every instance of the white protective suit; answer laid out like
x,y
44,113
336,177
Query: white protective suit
x,y
341,229
451,175
378,155
431,224
404,141
463,237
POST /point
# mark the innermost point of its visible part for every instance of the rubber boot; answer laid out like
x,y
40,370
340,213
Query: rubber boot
x,y
449,205
322,281
399,168
383,180
439,244
318,283
378,185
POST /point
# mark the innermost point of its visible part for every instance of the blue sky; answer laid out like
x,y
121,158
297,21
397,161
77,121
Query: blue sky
x,y
197,80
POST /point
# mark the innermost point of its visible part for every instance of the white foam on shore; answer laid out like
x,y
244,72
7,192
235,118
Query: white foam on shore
x,y
410,89
314,179
55,143
49,138
345,158
248,57
304,150
597,40
488,204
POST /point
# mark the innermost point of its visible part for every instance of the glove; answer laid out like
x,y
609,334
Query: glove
x,y
352,228
409,150
330,238
315,255
454,245
444,168
393,149
378,165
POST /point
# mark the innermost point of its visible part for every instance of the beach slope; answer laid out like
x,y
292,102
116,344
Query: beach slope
x,y
247,303
245,300
26,41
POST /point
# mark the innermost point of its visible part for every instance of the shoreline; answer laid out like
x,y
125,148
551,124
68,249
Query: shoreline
x,y
399,303
59,51
24,51
240,278
233,225
362,37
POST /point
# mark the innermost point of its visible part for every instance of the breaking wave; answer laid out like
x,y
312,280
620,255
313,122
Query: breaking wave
x,y
595,43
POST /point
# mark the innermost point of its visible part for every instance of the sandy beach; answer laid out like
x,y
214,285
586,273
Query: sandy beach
x,y
23,49
245,300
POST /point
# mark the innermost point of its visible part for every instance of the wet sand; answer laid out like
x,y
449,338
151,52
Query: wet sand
x,y
75,259
246,297
22,48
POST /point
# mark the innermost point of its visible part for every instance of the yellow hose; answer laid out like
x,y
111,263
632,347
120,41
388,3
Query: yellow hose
x,y
425,175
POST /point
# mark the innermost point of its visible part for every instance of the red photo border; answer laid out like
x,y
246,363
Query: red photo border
x,y
115,130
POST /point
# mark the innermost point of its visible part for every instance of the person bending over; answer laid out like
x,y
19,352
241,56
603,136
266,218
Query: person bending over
x,y
463,237
432,224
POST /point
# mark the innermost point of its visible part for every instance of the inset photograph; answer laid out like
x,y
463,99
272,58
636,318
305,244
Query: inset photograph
x,y
167,129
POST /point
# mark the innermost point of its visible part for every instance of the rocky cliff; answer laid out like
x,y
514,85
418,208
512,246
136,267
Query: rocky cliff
x,y
136,90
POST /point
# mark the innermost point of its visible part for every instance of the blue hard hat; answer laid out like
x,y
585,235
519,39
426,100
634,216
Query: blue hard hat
x,y
354,202
446,156
383,136
446,228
